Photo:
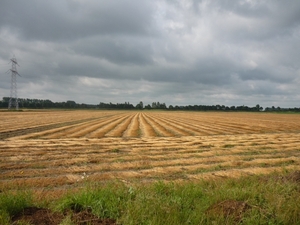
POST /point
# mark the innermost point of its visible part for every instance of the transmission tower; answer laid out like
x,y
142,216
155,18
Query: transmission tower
x,y
13,101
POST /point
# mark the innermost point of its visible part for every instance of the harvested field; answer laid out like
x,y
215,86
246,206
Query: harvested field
x,y
53,151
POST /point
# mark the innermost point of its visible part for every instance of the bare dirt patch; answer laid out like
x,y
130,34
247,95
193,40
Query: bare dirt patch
x,y
38,216
86,217
290,177
229,208
294,176
41,216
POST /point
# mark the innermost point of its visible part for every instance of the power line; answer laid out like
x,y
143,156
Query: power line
x,y
13,101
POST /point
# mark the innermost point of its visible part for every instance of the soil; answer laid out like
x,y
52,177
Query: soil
x,y
229,208
290,177
294,176
42,216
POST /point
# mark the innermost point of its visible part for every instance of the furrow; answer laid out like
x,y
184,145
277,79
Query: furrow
x,y
190,129
100,132
133,128
159,129
173,128
92,127
146,129
120,129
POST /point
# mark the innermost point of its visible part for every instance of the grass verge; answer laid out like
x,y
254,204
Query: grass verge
x,y
268,199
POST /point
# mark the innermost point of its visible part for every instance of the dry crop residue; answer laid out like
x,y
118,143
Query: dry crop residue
x,y
142,146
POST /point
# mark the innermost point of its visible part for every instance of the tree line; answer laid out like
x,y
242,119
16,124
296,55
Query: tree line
x,y
48,104
45,104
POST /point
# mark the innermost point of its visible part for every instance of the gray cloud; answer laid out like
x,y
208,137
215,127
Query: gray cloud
x,y
69,20
118,50
178,52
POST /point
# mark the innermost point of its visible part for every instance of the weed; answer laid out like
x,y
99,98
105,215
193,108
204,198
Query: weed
x,y
266,148
254,144
139,132
39,166
206,146
249,159
228,146
67,221
115,150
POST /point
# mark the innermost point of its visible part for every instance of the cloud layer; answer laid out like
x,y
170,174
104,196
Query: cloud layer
x,y
183,52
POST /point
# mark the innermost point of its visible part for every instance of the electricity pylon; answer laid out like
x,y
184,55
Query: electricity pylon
x,y
13,101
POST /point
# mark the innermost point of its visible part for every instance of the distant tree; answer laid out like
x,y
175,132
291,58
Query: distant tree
x,y
5,99
163,106
4,102
259,108
71,104
148,106
139,105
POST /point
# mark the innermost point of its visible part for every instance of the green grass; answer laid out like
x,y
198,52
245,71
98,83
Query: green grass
x,y
228,146
271,200
115,150
13,203
104,201
206,146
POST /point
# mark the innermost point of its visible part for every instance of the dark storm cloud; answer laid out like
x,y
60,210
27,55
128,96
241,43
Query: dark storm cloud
x,y
68,20
178,52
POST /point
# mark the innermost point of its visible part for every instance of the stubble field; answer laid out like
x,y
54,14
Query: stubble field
x,y
53,151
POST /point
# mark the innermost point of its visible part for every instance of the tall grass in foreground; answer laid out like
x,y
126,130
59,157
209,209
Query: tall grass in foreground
x,y
12,204
270,202
265,200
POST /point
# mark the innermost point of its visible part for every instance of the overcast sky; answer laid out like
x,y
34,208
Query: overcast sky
x,y
181,52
